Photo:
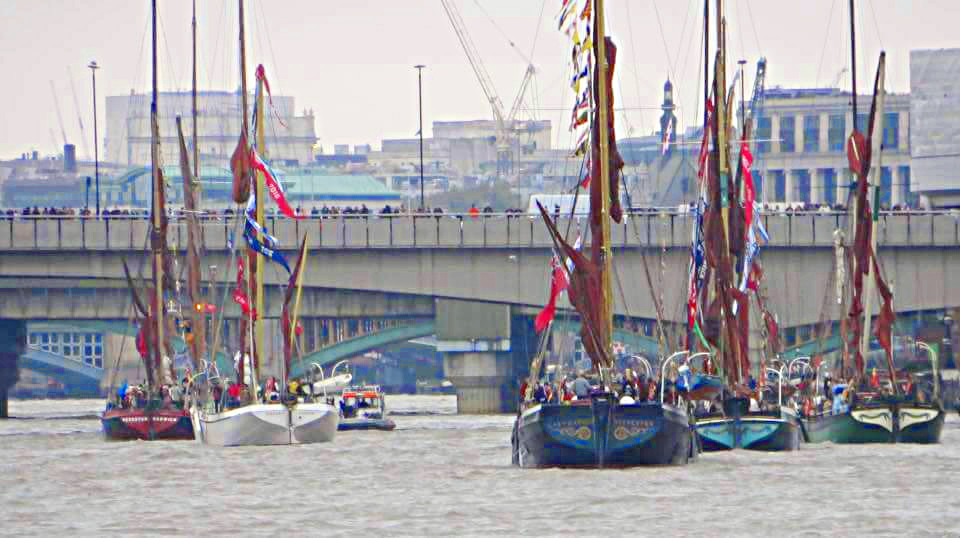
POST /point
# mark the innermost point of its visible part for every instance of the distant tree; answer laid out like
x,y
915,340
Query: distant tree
x,y
497,195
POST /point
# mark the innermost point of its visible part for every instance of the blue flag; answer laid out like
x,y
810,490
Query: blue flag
x,y
263,249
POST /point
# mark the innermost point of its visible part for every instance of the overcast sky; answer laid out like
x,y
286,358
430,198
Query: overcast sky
x,y
352,61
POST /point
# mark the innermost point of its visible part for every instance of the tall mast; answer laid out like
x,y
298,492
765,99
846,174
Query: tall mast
x,y
156,210
853,62
706,62
196,147
604,132
876,170
243,74
260,193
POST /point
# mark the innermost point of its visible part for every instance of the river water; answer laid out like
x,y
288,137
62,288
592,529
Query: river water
x,y
443,474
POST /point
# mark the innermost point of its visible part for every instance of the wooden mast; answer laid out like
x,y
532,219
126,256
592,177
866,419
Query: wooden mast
x,y
259,193
156,212
876,170
604,178
196,147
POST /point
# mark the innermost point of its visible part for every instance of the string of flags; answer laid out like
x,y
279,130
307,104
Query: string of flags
x,y
577,15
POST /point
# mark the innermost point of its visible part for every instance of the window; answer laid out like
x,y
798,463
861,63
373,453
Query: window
x,y
763,134
886,186
862,122
758,184
912,199
830,187
837,131
803,186
811,134
891,130
34,339
787,134
780,188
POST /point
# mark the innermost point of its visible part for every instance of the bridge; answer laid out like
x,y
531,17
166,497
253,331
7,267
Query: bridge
x,y
391,268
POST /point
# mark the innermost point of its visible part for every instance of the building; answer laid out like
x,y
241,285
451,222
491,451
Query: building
x,y
304,187
801,137
60,181
127,133
935,125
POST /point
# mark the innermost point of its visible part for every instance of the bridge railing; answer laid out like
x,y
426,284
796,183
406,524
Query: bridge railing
x,y
671,229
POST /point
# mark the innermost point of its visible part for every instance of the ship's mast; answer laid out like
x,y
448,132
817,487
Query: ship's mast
x,y
876,138
196,147
259,190
606,252
156,211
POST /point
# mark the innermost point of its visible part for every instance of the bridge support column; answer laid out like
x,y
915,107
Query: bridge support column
x,y
13,340
482,379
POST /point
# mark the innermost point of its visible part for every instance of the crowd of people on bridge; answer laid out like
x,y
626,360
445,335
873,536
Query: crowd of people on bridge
x,y
362,211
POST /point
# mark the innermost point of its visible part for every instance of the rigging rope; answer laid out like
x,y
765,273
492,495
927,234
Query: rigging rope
x,y
636,62
753,23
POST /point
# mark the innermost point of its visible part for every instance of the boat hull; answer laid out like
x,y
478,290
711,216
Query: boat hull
x,y
348,424
269,424
751,432
892,423
603,434
147,425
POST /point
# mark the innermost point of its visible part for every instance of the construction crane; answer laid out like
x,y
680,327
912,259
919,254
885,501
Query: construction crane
x,y
76,104
56,105
756,108
504,120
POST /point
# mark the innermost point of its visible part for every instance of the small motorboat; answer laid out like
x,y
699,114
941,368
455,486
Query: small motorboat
x,y
363,408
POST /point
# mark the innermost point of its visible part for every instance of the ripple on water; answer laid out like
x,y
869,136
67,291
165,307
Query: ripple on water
x,y
443,474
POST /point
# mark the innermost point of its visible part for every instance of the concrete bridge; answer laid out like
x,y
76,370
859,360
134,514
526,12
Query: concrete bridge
x,y
69,268
399,266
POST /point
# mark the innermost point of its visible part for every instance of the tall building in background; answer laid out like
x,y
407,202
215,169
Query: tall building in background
x,y
935,125
127,136
801,146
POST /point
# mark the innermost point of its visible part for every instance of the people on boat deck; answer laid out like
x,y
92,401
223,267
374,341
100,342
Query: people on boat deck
x,y
581,387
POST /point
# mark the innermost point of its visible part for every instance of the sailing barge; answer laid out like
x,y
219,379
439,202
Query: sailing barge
x,y
866,412
603,430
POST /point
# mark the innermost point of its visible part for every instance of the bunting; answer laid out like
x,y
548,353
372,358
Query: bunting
x,y
274,187
239,295
263,249
262,75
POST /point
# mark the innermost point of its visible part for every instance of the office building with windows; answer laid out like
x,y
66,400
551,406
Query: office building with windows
x,y
801,139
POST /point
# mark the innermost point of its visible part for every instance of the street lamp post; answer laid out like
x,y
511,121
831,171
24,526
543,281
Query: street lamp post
x,y
419,69
96,157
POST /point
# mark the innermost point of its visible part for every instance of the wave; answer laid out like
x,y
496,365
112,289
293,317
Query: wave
x,y
77,416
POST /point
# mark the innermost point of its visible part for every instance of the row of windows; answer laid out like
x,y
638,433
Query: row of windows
x,y
804,187
81,347
836,132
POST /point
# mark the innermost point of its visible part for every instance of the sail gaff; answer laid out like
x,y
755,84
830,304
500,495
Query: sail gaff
x,y
289,319
197,328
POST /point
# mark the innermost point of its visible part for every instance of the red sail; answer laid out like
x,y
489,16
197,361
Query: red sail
x,y
240,165
885,319
614,158
585,294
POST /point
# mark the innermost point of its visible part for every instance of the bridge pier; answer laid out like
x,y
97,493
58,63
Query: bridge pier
x,y
13,340
483,380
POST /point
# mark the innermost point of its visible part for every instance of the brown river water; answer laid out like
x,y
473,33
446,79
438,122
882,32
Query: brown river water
x,y
443,474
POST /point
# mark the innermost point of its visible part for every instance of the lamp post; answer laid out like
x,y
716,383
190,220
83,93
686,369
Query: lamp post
x,y
96,157
419,69
948,339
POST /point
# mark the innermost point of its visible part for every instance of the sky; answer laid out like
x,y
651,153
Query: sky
x,y
351,62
